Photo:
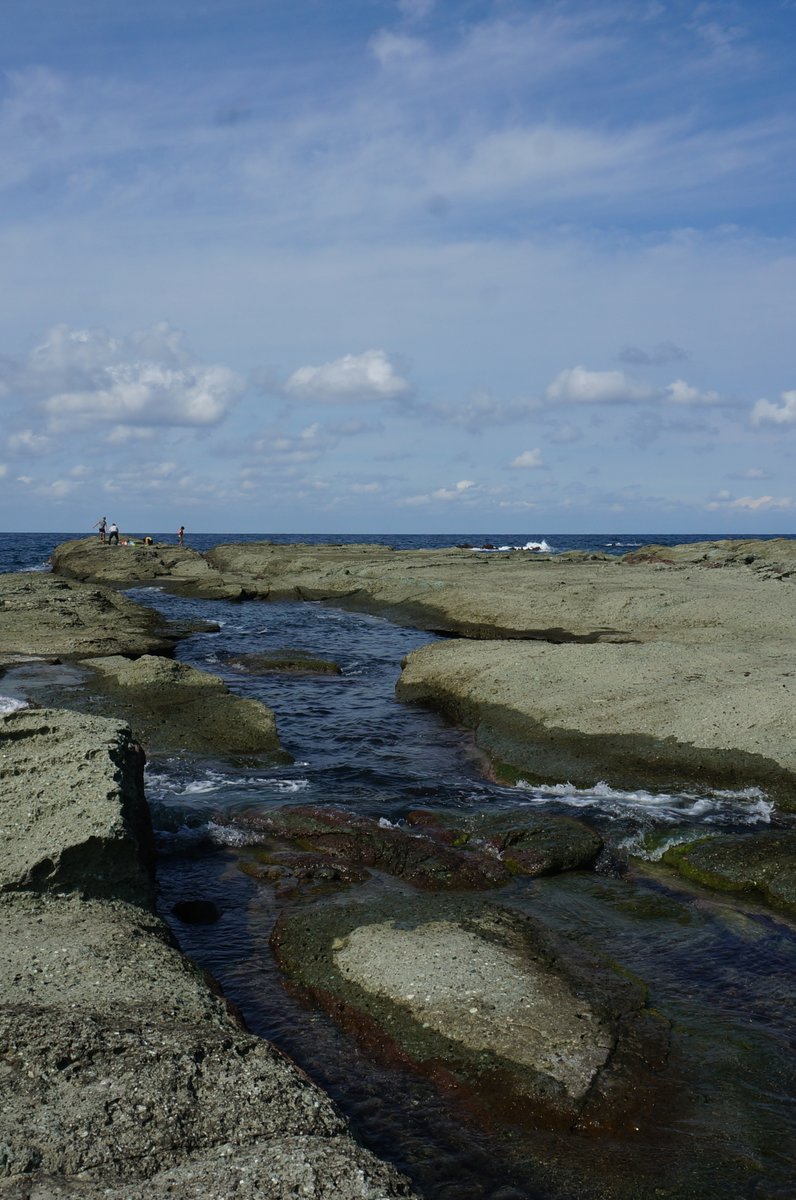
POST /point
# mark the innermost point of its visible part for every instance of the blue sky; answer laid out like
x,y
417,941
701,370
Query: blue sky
x,y
398,266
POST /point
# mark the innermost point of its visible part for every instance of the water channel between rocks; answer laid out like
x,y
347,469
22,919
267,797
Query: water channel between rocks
x,y
719,969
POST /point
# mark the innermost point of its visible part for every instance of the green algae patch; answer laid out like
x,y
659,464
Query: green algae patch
x,y
762,864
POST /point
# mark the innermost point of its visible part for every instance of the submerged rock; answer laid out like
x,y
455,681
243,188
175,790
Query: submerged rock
x,y
484,1001
173,706
527,844
763,864
285,660
343,837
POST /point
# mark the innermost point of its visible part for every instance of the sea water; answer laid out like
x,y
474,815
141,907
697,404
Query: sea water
x,y
719,968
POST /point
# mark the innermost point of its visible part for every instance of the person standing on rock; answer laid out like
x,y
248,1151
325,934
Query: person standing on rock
x,y
113,533
101,526
180,535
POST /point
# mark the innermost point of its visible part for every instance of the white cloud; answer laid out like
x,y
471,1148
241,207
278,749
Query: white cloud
x,y
365,489
750,503
28,442
3,470
766,413
456,492
528,458
84,376
352,379
683,393
577,385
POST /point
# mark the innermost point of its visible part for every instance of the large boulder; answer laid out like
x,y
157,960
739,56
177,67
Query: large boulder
x,y
173,706
485,1001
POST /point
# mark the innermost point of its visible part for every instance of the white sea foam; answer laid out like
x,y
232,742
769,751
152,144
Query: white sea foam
x,y
540,547
9,704
748,806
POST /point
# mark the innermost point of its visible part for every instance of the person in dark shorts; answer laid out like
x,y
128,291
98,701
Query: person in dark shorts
x,y
101,526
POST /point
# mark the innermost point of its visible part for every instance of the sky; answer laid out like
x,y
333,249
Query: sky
x,y
283,266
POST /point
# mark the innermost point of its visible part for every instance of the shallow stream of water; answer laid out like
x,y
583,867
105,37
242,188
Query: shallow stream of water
x,y
721,970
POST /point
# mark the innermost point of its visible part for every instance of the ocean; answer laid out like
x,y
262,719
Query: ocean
x,y
720,969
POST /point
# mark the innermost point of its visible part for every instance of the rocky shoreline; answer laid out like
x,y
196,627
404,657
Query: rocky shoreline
x,y
126,1077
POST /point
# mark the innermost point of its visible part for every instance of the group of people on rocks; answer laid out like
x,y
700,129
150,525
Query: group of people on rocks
x,y
110,533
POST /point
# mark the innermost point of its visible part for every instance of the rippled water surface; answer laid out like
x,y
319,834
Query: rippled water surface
x,y
721,970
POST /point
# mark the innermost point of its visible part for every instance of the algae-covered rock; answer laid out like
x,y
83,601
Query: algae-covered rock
x,y
762,864
479,997
174,706
343,837
527,844
286,660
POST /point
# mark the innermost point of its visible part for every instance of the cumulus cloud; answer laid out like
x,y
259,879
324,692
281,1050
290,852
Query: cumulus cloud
x,y
87,376
577,385
528,459
455,492
767,413
683,393
352,379
27,442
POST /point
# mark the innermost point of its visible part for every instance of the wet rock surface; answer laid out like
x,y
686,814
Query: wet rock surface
x,y
121,1073
44,615
630,715
763,865
433,851
485,1002
284,660
173,706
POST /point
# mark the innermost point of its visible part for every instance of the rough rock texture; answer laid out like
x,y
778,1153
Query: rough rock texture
x,y
298,662
649,715
178,567
121,1074
434,851
172,706
763,865
43,615
70,809
486,1001
527,844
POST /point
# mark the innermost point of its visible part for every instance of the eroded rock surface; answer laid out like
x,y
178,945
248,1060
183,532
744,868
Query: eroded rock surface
x,y
486,1001
173,706
763,865
433,851
178,567
645,715
121,1074
45,615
